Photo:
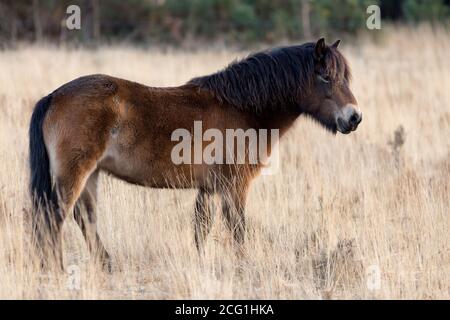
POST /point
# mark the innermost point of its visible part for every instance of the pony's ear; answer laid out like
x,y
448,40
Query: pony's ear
x,y
319,49
336,44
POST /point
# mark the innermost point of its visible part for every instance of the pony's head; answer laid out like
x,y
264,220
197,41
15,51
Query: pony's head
x,y
329,100
311,79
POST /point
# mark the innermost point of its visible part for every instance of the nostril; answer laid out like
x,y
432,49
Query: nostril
x,y
354,118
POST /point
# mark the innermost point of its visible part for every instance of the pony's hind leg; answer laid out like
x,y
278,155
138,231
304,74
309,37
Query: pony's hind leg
x,y
203,217
74,169
86,216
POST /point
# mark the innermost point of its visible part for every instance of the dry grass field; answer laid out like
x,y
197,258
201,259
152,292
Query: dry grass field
x,y
340,209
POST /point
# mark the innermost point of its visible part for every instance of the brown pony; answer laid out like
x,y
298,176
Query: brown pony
x,y
101,123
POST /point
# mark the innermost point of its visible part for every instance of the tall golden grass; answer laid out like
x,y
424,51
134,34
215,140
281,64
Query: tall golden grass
x,y
340,209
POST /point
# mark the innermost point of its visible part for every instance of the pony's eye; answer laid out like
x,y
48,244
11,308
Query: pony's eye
x,y
324,78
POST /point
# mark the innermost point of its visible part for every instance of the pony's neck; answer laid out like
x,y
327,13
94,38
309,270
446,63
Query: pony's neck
x,y
282,121
268,81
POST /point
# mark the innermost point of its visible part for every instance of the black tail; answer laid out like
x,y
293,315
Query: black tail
x,y
42,194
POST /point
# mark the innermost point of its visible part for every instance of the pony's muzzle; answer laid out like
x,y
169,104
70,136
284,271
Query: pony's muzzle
x,y
349,119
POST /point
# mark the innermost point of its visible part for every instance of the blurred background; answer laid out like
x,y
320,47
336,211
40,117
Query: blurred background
x,y
190,23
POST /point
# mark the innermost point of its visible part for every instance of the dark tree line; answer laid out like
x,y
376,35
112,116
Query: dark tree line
x,y
181,21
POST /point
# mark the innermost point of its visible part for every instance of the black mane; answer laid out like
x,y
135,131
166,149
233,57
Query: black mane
x,y
272,79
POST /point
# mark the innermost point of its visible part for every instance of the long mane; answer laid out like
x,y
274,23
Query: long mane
x,y
268,80
271,80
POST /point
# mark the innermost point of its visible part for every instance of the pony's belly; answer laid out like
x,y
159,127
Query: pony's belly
x,y
154,173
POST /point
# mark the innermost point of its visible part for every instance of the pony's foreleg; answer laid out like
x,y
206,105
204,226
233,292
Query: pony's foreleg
x,y
203,217
233,210
85,214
